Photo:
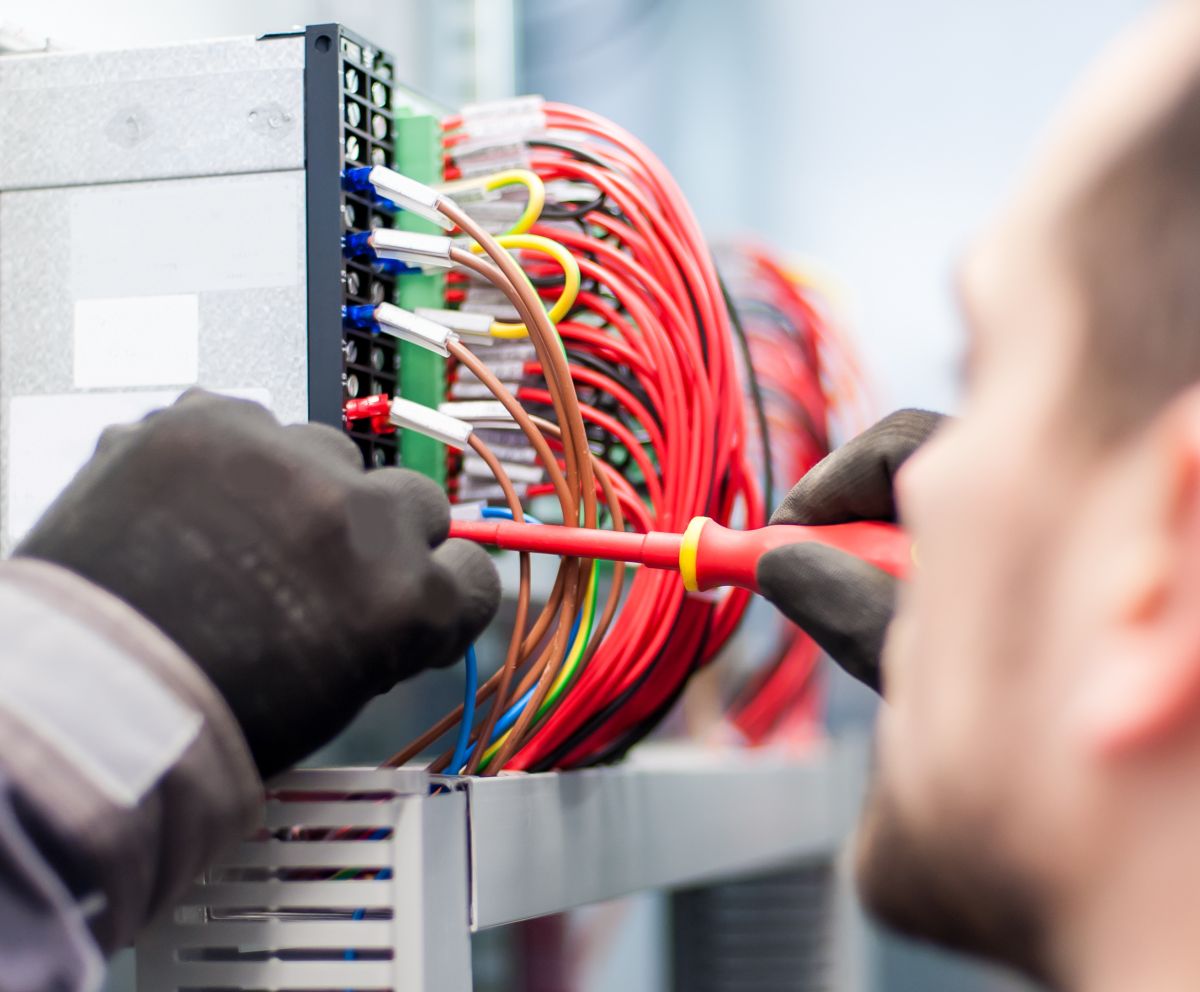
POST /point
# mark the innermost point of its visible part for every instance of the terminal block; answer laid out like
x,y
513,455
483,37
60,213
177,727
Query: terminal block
x,y
358,117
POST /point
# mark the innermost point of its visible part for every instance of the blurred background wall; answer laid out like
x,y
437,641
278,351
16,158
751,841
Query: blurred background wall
x,y
870,136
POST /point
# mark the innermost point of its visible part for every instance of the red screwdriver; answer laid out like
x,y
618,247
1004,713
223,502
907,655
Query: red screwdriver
x,y
706,555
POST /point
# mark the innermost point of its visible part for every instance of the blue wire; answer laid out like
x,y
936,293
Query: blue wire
x,y
462,748
514,711
468,716
511,715
504,513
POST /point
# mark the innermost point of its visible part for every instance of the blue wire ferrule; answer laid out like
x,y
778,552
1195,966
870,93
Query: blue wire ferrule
x,y
362,317
361,245
358,180
400,191
358,244
387,318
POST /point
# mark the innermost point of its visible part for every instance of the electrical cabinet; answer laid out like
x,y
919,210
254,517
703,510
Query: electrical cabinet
x,y
173,217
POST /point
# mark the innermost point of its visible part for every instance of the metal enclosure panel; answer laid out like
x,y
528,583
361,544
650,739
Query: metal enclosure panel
x,y
281,913
482,853
432,926
544,843
130,245
205,108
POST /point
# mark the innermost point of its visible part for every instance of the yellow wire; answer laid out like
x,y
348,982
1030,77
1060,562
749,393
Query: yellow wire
x,y
537,195
581,638
570,267
532,182
492,751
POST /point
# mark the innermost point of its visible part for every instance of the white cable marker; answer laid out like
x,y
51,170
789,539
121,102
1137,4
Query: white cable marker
x,y
413,327
413,196
412,247
475,326
432,423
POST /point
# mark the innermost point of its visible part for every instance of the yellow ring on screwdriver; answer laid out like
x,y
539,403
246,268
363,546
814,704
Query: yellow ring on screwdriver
x,y
688,550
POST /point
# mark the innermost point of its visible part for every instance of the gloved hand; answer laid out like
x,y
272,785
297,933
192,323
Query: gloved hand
x,y
299,583
843,603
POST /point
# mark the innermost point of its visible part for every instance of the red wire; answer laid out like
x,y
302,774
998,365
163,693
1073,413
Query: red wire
x,y
651,304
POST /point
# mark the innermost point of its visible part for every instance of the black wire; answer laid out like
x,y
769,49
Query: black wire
x,y
806,341
621,375
559,211
572,149
635,735
818,431
609,404
755,684
749,304
760,411
639,731
597,720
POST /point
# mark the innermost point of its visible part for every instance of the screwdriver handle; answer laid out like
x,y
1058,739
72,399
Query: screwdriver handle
x,y
706,555
712,555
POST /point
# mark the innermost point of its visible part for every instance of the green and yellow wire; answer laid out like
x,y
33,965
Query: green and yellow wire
x,y
570,668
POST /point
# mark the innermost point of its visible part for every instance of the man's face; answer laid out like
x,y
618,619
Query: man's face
x,y
982,812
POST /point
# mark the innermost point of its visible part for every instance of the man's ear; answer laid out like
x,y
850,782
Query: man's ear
x,y
1144,682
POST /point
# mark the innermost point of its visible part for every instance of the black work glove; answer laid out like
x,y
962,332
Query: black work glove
x,y
843,603
299,583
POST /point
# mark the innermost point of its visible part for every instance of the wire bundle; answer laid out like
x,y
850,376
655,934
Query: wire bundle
x,y
631,401
634,407
804,382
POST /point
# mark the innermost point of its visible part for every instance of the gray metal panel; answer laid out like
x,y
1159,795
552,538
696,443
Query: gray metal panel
x,y
204,108
432,923
538,844
403,781
420,941
544,843
235,243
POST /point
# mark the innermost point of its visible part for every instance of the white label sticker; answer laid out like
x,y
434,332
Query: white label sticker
x,y
137,341
50,437
184,236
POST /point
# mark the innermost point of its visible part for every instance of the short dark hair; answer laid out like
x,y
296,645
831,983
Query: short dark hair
x,y
1134,240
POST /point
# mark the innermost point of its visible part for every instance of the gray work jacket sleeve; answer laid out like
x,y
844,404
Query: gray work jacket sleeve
x,y
122,773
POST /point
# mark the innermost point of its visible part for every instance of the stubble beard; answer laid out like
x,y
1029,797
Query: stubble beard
x,y
951,890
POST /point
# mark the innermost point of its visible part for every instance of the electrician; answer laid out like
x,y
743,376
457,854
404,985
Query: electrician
x,y
1037,790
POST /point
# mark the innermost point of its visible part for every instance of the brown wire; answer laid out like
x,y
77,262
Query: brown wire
x,y
512,656
560,640
487,690
619,569
516,736
497,388
618,523
545,341
568,506
536,633
576,486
